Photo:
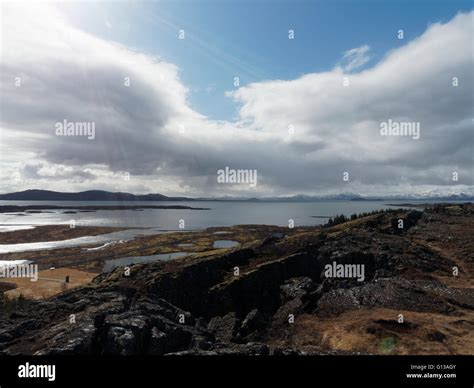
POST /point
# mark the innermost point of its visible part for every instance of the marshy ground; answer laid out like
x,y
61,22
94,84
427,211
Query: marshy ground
x,y
83,263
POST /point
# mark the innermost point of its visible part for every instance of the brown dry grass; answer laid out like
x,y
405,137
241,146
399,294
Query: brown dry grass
x,y
44,288
377,331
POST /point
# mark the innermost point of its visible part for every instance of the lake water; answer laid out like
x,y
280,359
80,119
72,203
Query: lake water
x,y
154,221
225,244
220,214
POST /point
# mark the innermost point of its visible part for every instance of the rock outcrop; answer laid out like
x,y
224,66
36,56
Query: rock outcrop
x,y
258,299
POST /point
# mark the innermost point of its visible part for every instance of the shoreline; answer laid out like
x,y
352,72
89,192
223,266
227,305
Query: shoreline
x,y
92,256
428,205
92,208
47,233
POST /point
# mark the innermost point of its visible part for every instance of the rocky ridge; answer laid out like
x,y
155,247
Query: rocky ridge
x,y
272,297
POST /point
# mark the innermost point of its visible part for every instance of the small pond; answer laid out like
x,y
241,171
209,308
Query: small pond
x,y
225,244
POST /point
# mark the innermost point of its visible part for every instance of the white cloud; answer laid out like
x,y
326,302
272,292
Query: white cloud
x,y
355,58
150,131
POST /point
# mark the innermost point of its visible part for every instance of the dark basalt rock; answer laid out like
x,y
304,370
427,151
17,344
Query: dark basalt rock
x,y
225,327
145,328
253,327
200,308
409,219
436,336
395,293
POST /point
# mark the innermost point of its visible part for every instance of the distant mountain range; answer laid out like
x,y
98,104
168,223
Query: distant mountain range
x,y
100,195
90,195
360,197
352,197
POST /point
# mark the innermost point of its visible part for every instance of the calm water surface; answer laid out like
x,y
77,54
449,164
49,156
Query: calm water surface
x,y
154,221
220,214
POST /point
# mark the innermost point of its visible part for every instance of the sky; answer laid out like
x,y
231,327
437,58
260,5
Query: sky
x,y
305,112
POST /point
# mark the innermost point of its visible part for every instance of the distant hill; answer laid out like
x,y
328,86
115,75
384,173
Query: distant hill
x,y
101,195
90,195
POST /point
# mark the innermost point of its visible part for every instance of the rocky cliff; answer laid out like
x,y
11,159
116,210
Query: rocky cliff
x,y
274,297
